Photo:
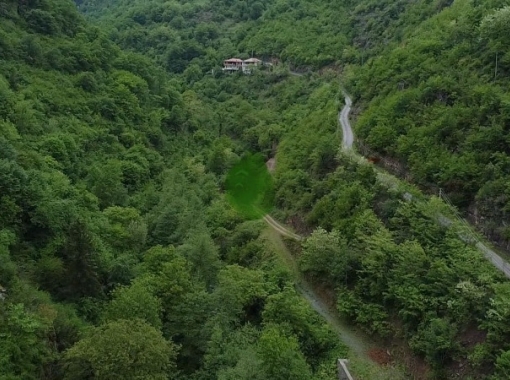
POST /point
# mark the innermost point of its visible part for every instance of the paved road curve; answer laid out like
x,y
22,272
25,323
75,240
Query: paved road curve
x,y
343,118
347,142
489,254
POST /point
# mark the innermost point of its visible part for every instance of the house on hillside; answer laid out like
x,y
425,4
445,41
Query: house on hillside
x,y
252,62
232,64
236,64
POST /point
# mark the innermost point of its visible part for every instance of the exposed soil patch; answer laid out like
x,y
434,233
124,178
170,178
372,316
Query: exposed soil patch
x,y
472,337
380,356
377,350
386,352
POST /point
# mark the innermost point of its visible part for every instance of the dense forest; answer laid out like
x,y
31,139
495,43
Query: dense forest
x,y
114,230
120,255
438,103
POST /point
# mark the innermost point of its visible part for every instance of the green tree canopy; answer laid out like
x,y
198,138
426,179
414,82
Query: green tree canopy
x,y
122,349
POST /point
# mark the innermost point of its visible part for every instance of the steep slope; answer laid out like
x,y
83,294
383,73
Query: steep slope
x,y
80,136
438,104
113,229
387,264
176,33
304,33
81,130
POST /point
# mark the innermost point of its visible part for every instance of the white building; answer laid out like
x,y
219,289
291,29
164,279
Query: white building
x,y
236,64
233,64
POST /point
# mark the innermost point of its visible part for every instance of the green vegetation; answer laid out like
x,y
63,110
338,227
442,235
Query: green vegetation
x,y
395,271
114,228
437,101
119,225
249,187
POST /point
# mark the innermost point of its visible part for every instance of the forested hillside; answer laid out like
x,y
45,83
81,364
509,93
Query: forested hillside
x,y
114,232
429,79
116,140
437,101
391,267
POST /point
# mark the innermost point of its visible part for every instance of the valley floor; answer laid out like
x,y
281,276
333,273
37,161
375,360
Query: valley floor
x,y
361,361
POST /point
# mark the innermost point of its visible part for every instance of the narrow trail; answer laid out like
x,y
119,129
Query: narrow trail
x,y
360,362
359,344
348,335
281,229
347,141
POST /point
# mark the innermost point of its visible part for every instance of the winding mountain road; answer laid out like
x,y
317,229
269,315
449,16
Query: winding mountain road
x,y
347,142
343,118
468,238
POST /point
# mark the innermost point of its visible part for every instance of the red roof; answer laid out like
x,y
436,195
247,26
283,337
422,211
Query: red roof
x,y
234,60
